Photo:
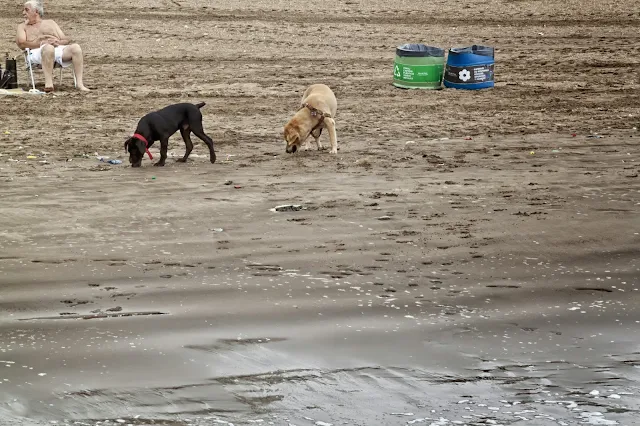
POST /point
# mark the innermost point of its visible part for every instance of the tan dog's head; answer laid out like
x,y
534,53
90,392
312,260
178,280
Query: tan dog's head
x,y
292,137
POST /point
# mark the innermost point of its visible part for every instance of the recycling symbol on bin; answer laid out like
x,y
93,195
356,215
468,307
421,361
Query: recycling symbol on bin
x,y
464,75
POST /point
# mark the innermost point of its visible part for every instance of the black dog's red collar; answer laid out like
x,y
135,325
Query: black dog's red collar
x,y
146,143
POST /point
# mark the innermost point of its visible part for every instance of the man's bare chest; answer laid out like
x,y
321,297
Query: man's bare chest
x,y
37,30
33,32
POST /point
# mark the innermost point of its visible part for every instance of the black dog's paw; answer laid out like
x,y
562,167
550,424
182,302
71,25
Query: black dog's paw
x,y
159,164
181,160
213,159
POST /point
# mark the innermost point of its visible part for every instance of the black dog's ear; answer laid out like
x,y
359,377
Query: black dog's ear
x,y
126,145
141,146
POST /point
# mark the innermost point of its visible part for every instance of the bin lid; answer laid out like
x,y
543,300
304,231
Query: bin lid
x,y
418,50
475,49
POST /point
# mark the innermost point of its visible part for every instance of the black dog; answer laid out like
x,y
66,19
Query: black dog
x,y
160,125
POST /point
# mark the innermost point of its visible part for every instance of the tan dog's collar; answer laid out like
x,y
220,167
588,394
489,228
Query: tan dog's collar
x,y
315,111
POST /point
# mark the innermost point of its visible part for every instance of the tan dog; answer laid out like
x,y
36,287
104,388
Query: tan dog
x,y
318,107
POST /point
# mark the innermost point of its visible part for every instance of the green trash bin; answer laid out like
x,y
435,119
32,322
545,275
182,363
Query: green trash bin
x,y
418,67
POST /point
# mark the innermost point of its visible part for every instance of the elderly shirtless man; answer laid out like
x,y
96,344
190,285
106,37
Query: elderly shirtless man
x,y
48,44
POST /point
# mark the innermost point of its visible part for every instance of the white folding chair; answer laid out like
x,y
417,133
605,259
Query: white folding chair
x,y
27,51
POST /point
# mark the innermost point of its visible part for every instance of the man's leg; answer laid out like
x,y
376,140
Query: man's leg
x,y
48,57
73,53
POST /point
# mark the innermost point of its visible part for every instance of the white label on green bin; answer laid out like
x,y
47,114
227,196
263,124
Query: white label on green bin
x,y
418,73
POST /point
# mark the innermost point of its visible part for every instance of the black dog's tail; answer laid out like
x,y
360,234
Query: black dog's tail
x,y
200,105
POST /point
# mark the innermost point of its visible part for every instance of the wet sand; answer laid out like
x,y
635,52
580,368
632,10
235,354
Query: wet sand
x,y
464,259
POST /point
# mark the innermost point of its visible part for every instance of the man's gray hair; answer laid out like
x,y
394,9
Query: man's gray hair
x,y
37,5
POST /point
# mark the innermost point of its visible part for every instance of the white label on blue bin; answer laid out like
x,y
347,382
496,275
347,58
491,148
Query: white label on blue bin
x,y
469,74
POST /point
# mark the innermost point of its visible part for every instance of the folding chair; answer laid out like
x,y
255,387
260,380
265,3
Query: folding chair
x,y
27,51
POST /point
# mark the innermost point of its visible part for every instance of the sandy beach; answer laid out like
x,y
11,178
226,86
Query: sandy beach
x,y
467,258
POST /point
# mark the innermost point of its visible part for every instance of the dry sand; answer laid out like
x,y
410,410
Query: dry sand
x,y
426,281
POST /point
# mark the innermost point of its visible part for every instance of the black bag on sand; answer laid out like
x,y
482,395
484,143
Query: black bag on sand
x,y
9,77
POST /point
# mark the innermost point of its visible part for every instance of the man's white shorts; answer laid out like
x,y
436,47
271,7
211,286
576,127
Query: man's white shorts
x,y
35,57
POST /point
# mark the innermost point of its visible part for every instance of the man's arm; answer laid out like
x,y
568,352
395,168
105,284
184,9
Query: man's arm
x,y
21,39
62,39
